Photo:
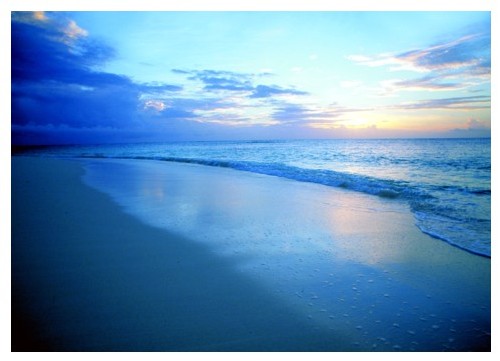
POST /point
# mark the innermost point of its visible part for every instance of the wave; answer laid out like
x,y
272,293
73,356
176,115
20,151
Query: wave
x,y
482,192
379,187
440,227
432,216
384,188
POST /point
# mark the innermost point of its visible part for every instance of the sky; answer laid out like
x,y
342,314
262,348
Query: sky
x,y
98,77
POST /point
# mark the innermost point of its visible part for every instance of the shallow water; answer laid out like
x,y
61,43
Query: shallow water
x,y
347,262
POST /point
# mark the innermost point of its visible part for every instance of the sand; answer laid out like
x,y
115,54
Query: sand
x,y
235,262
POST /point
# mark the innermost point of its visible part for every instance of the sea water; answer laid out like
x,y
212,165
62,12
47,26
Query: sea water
x,y
445,182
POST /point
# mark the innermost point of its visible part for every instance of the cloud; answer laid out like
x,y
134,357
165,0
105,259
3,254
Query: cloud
x,y
215,80
427,83
473,128
474,124
226,84
73,31
40,15
292,113
157,105
180,71
456,103
157,88
465,60
221,80
234,98
314,116
55,83
464,52
38,55
60,95
335,116
264,91
29,17
70,104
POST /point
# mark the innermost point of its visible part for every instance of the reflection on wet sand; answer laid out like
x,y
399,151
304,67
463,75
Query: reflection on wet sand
x,y
346,261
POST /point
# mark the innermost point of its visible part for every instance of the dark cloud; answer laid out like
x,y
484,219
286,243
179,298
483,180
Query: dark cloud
x,y
55,83
233,81
264,91
175,112
222,80
180,71
226,84
62,103
57,90
39,54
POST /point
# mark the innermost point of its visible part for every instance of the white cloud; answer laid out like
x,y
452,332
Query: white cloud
x,y
157,105
474,124
72,31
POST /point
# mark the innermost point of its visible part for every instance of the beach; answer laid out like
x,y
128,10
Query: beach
x,y
142,255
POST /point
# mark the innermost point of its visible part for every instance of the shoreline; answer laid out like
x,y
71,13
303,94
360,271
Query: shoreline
x,y
445,229
130,272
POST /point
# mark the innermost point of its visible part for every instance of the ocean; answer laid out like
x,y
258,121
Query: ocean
x,y
445,182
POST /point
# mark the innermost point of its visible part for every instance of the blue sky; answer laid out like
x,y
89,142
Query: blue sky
x,y
93,77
